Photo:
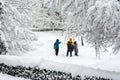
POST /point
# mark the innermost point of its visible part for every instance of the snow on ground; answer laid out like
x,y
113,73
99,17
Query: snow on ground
x,y
7,77
43,55
86,53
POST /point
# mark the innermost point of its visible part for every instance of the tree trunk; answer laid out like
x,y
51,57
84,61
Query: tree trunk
x,y
97,50
82,43
62,32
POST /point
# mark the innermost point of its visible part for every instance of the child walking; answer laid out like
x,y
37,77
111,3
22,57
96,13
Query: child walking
x,y
75,48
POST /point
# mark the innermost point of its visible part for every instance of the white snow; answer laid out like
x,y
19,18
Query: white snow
x,y
86,63
7,77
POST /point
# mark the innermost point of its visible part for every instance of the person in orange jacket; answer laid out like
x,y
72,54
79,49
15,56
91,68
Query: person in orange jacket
x,y
70,46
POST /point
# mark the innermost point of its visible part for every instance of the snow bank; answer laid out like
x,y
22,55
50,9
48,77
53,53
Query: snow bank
x,y
7,77
79,70
68,68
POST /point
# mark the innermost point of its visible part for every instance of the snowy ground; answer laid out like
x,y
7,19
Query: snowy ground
x,y
7,77
43,55
86,53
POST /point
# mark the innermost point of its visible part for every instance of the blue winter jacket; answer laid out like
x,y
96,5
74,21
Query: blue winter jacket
x,y
56,44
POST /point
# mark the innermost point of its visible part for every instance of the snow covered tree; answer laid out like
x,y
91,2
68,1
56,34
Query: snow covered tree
x,y
3,48
74,12
13,28
96,20
49,14
26,8
102,24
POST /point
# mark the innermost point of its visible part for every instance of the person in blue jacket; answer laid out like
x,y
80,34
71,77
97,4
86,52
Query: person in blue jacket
x,y
56,46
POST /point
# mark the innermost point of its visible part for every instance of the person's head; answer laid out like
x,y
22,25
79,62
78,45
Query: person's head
x,y
70,39
74,42
57,40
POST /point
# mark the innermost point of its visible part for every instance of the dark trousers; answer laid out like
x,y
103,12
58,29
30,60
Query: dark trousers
x,y
56,52
76,54
69,51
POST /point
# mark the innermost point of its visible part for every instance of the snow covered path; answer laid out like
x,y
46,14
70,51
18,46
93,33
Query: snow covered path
x,y
44,49
86,63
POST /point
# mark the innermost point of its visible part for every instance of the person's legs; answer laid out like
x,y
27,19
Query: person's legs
x,y
56,52
76,54
67,52
70,53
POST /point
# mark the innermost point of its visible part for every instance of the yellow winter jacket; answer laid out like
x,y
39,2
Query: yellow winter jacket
x,y
70,40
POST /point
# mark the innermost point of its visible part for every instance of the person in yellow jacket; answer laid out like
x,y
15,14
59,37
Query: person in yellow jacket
x,y
70,47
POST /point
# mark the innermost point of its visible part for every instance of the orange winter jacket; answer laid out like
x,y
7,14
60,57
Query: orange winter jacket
x,y
70,40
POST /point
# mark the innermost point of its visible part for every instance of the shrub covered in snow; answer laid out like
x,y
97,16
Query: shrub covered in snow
x,y
36,73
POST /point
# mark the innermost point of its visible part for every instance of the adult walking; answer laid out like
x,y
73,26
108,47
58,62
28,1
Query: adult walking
x,y
70,46
75,48
56,46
